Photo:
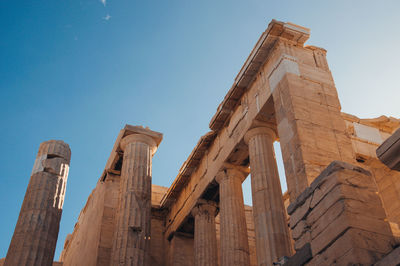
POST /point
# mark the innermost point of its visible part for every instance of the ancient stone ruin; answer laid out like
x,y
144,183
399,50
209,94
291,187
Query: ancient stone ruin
x,y
342,205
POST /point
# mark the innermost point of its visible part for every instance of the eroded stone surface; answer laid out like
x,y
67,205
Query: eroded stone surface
x,y
35,235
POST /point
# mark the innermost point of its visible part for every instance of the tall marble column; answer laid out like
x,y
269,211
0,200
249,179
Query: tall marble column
x,y
205,238
234,240
35,236
270,224
132,232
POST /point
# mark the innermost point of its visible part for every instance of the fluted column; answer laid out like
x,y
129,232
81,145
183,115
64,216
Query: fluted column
x,y
234,240
132,233
271,229
205,238
35,236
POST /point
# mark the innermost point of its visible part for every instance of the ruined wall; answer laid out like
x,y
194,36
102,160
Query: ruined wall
x,y
339,219
108,219
157,240
366,136
86,235
93,233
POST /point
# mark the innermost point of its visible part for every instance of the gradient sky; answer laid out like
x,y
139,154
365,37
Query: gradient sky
x,y
80,70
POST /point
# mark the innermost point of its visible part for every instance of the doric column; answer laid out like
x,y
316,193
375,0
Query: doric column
x,y
234,240
270,224
132,233
205,238
35,236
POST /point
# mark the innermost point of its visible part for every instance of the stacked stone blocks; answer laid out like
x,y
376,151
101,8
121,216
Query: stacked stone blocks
x,y
341,217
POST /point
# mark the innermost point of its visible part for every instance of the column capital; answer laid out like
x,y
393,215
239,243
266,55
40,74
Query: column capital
x,y
232,171
259,131
205,206
139,138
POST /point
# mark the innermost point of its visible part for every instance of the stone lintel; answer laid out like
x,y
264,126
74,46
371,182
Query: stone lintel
x,y
315,48
181,234
383,123
190,164
276,30
333,167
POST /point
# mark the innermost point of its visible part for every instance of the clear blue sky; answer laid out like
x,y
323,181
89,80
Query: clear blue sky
x,y
80,70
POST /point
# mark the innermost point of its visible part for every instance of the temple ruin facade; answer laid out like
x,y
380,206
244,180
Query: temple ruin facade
x,y
342,205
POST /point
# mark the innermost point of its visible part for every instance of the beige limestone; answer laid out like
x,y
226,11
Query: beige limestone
x,y
132,234
342,217
271,228
35,236
205,237
93,232
234,240
311,129
181,252
250,234
365,148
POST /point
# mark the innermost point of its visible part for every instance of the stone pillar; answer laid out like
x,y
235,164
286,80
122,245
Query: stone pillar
x,y
311,129
270,224
234,240
35,236
205,238
132,233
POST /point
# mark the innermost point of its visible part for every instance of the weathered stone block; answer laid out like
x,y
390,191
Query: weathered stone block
x,y
391,259
375,243
359,256
346,177
356,200
300,212
304,239
299,229
342,217
301,257
344,221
